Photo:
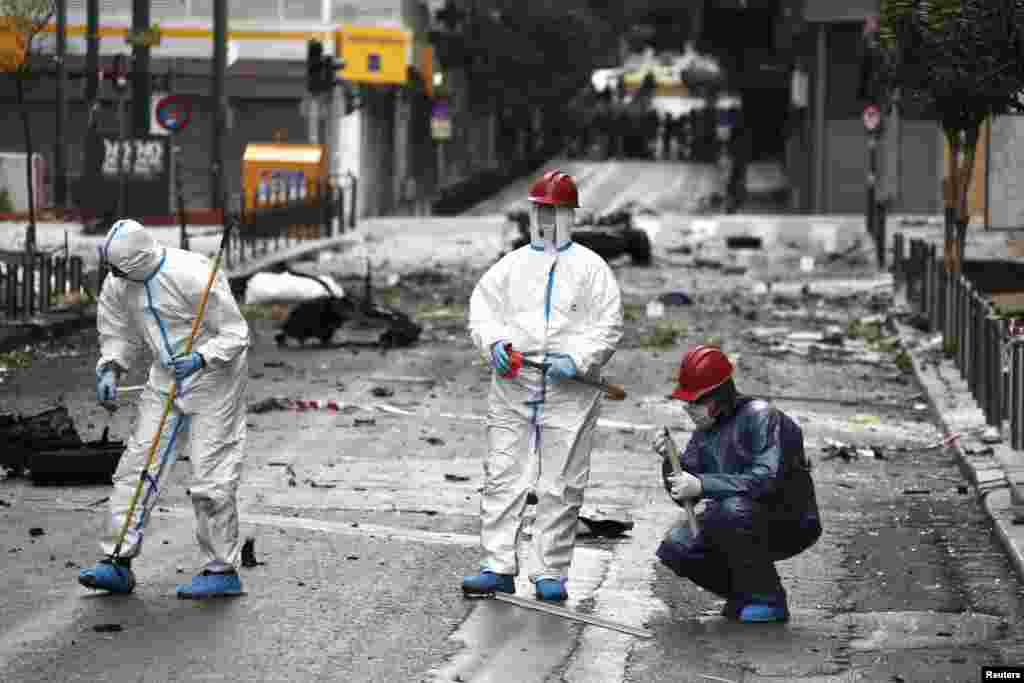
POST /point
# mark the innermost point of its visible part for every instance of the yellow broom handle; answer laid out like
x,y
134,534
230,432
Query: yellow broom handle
x,y
155,443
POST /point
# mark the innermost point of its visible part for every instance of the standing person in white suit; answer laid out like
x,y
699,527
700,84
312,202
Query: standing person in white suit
x,y
560,301
149,304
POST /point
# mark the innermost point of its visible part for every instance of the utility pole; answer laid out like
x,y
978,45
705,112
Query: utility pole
x,y
141,87
60,171
92,56
220,58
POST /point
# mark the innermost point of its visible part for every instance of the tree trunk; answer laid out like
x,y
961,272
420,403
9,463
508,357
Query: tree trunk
x,y
963,208
30,237
950,194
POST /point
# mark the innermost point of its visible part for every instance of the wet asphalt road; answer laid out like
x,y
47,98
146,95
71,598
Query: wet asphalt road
x,y
365,551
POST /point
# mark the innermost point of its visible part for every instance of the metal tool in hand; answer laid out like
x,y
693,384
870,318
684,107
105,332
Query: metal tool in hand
x,y
677,467
518,359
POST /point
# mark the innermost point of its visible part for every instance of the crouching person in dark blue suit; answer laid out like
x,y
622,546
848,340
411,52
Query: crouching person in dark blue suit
x,y
746,461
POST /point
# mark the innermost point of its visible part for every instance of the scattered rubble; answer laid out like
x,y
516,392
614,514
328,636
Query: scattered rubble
x,y
675,299
278,403
837,449
595,524
47,446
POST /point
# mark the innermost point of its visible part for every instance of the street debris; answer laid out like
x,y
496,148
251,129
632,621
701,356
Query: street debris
x,y
278,403
364,422
565,613
675,299
270,288
598,526
108,628
47,446
249,554
320,317
382,392
434,441
403,379
455,477
991,435
744,242
837,449
37,531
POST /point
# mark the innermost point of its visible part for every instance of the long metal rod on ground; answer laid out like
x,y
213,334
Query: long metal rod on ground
x,y
564,613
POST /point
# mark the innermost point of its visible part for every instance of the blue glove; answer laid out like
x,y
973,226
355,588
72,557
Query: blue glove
x,y
106,386
499,357
560,366
187,365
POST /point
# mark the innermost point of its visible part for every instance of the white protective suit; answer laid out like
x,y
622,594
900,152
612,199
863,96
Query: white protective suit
x,y
153,308
554,299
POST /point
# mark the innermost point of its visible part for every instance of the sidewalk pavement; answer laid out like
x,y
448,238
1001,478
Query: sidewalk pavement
x,y
988,467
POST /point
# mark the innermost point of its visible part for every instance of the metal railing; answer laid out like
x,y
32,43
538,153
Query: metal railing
x,y
274,222
37,283
990,359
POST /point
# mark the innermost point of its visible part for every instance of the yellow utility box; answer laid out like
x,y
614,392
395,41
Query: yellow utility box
x,y
374,54
280,173
12,45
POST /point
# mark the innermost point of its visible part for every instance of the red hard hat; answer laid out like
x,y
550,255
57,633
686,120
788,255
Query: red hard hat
x,y
556,189
703,368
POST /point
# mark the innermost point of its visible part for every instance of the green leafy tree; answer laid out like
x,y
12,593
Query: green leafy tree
x,y
22,23
964,61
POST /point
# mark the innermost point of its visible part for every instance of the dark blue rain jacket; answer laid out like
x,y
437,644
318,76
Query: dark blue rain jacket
x,y
757,452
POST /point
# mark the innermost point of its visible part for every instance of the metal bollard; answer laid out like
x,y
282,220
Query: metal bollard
x,y
926,295
897,260
970,341
1017,395
994,379
978,348
950,287
998,388
961,326
933,290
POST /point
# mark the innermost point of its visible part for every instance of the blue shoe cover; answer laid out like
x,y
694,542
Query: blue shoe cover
x,y
110,576
211,585
487,582
552,590
756,613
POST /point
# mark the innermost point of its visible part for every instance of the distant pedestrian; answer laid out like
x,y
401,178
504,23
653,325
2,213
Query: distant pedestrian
x,y
746,462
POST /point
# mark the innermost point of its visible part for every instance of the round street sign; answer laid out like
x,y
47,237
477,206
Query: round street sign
x,y
174,112
872,117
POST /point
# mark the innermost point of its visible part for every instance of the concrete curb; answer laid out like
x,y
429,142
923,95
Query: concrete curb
x,y
951,402
51,326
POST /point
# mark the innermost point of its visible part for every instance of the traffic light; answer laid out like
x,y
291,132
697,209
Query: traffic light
x,y
314,66
320,68
118,73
